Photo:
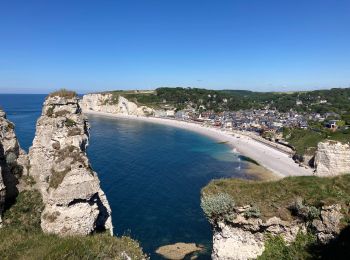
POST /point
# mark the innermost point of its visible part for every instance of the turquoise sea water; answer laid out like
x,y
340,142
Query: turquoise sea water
x,y
152,174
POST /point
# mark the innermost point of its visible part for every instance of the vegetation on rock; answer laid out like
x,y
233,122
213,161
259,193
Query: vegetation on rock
x,y
63,93
305,140
275,198
217,206
22,237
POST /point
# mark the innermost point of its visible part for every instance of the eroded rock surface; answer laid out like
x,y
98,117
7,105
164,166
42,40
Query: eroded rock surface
x,y
109,103
332,158
13,162
178,251
74,201
244,238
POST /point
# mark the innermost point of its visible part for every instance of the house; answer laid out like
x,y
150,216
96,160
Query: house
x,y
170,113
332,124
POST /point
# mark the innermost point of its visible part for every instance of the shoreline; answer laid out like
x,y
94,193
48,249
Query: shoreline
x,y
273,160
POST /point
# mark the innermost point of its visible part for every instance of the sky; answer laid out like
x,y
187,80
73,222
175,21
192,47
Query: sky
x,y
260,45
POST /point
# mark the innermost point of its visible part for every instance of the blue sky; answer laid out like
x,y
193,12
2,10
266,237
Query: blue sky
x,y
99,45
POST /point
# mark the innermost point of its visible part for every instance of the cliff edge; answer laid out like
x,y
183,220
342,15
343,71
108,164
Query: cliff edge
x,y
112,103
13,162
332,158
74,203
285,219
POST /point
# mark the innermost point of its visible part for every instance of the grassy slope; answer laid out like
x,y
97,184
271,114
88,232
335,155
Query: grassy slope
x,y
21,237
273,198
302,140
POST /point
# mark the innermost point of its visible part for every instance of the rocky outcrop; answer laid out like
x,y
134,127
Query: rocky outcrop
x,y
179,251
244,237
74,201
332,158
109,103
13,162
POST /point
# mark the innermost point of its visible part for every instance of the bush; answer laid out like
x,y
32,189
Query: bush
x,y
69,122
63,93
49,111
217,206
252,212
306,212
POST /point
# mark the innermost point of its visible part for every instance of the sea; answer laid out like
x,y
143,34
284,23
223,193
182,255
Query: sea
x,y
152,174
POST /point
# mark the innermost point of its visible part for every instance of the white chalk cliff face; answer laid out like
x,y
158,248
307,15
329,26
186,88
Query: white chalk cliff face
x,y
106,102
244,238
13,162
332,158
74,202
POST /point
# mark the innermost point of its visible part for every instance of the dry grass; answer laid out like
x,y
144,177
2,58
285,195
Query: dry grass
x,y
61,113
74,131
63,93
56,177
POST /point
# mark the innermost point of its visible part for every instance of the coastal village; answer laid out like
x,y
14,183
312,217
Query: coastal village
x,y
267,123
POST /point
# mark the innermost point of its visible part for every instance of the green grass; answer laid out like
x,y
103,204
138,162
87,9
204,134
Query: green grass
x,y
275,197
301,248
305,141
302,139
22,238
70,122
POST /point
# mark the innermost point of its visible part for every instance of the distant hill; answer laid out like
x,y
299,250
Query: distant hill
x,y
321,101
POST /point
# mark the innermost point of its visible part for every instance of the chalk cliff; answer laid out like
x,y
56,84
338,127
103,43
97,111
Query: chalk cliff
x,y
74,201
109,103
244,237
13,162
332,158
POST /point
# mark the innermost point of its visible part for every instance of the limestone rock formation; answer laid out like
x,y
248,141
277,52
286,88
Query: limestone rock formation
x,y
332,158
74,201
13,161
108,103
244,238
178,251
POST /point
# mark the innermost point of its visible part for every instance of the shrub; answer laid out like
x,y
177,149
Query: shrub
x,y
63,93
69,122
306,212
49,111
217,206
252,212
70,152
11,158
